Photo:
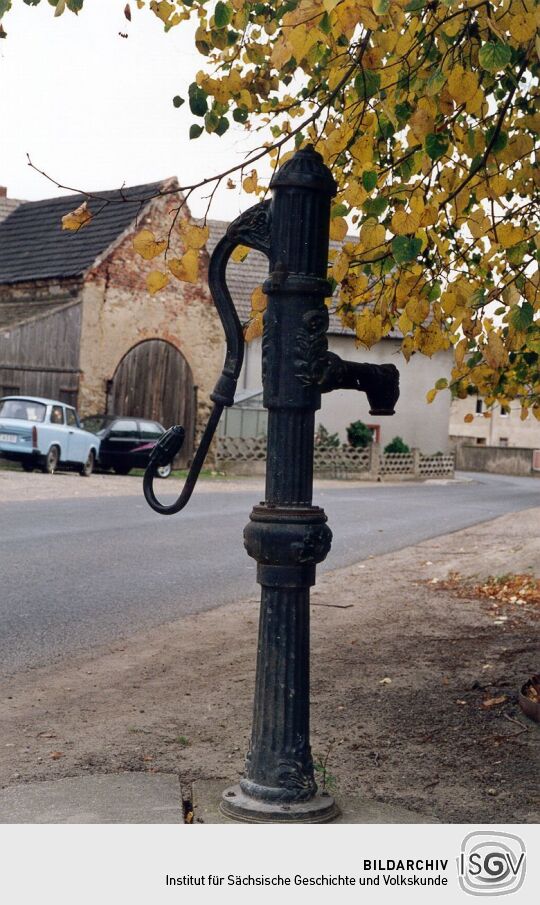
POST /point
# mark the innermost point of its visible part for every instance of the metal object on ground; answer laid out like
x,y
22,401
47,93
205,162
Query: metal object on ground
x,y
286,535
529,698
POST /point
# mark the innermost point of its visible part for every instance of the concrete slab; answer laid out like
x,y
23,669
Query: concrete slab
x,y
100,798
354,809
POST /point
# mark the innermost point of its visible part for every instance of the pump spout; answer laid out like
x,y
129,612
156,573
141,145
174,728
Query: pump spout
x,y
380,383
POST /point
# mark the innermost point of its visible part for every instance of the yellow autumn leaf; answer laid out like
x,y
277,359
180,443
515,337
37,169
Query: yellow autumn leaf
x,y
259,299
372,234
495,352
186,268
340,267
254,328
162,9
430,340
417,309
509,235
156,280
468,418
250,182
459,352
368,328
404,223
462,84
146,245
78,218
240,254
194,236
430,395
523,26
338,229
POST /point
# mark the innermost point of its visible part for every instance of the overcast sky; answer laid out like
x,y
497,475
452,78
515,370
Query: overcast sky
x,y
94,110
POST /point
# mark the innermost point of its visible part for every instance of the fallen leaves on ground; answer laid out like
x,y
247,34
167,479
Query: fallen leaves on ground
x,y
510,592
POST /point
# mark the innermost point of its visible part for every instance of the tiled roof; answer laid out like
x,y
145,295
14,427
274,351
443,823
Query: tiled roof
x,y
33,245
7,205
243,278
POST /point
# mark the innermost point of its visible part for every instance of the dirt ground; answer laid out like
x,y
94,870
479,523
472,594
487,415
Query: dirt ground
x,y
401,673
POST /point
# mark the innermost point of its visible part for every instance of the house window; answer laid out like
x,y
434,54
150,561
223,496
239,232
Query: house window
x,y
503,441
505,411
480,441
479,406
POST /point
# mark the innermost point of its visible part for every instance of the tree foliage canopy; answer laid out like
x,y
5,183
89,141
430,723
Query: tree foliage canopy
x,y
427,113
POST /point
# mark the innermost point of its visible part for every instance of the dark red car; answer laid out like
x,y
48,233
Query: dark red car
x,y
126,443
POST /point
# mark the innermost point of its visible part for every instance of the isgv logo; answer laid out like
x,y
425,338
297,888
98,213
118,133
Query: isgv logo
x,y
491,864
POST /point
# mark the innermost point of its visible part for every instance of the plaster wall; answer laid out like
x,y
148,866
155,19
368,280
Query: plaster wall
x,y
420,425
509,428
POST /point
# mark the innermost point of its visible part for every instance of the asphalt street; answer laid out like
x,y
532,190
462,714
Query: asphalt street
x,y
76,573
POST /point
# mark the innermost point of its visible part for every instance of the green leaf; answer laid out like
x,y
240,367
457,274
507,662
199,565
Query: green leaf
x,y
339,210
369,180
500,142
441,383
435,82
367,84
198,103
178,101
374,207
380,7
222,126
222,15
211,121
405,248
5,5
434,291
195,131
522,316
516,254
436,144
415,5
494,56
534,345
240,115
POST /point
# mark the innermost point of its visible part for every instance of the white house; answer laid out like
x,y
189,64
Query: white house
x,y
420,425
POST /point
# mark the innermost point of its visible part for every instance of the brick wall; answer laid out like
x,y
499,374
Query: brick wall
x,y
118,313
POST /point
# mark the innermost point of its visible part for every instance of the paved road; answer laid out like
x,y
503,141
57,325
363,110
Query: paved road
x,y
74,573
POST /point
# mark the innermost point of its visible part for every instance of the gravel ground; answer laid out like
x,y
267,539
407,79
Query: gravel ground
x,y
401,671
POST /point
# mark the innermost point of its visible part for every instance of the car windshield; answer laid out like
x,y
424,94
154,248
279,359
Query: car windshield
x,y
23,409
96,424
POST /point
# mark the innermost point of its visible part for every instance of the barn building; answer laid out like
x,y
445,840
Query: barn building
x,y
77,322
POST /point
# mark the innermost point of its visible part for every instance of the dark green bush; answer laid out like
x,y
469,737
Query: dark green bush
x,y
396,446
359,434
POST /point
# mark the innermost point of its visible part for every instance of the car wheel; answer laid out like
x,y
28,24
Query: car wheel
x,y
88,467
51,460
27,466
164,471
121,469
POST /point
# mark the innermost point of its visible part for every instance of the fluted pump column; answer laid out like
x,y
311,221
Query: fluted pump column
x,y
286,535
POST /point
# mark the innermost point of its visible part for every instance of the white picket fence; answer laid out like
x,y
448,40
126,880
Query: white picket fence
x,y
247,455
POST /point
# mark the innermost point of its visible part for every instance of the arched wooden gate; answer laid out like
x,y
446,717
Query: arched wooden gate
x,y
154,380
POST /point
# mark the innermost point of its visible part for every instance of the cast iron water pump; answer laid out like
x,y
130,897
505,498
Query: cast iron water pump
x,y
286,534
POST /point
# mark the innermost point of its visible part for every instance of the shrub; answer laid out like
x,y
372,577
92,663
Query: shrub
x,y
396,446
323,437
359,434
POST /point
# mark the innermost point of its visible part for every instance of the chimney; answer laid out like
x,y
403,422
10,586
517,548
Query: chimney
x,y
3,191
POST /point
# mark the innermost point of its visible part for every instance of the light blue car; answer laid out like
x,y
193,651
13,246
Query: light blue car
x,y
44,433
